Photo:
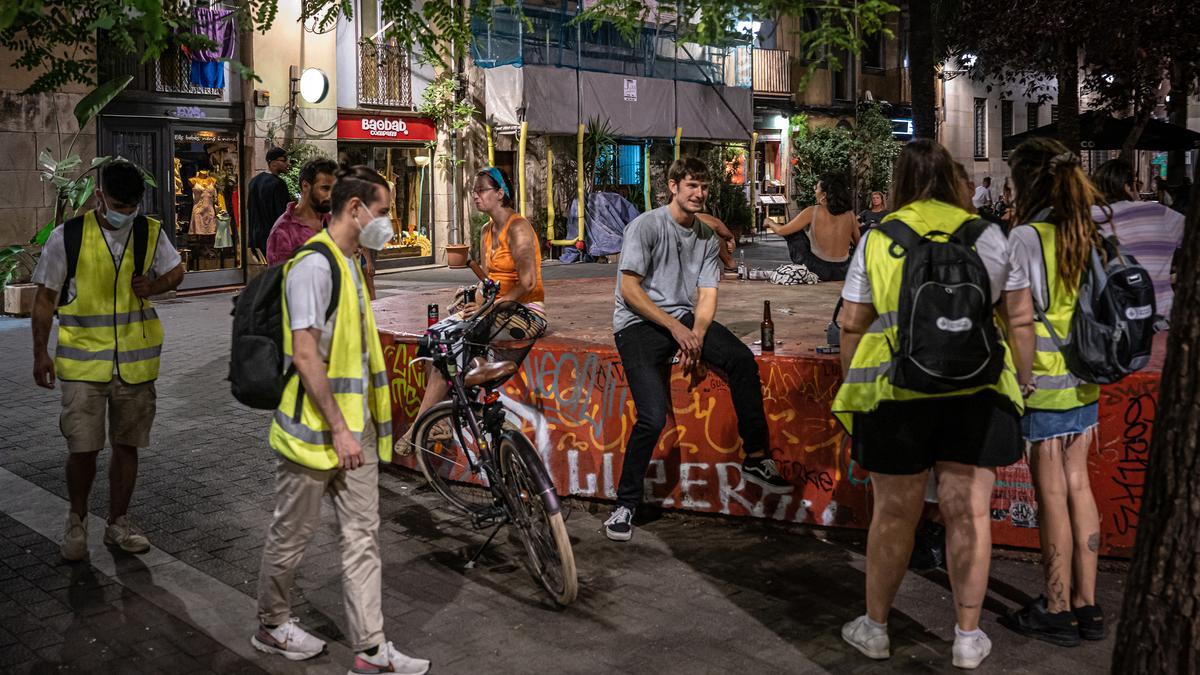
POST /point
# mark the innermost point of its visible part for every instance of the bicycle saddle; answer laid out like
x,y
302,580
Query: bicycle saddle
x,y
483,372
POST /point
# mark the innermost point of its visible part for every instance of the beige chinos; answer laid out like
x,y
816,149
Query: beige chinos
x,y
355,495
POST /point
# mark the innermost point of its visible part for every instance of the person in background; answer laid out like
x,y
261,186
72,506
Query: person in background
x,y
1051,248
510,254
109,341
302,220
1150,231
1161,193
898,435
870,216
1004,206
266,199
331,437
820,238
983,194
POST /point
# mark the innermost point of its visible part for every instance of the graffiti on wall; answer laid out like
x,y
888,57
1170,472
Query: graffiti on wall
x,y
576,406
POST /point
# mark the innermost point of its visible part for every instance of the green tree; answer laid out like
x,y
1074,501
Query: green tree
x,y
817,151
873,151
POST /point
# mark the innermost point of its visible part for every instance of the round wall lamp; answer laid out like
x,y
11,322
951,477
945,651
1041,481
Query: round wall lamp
x,y
314,85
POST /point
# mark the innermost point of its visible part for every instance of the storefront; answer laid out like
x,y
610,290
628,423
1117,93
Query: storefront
x,y
193,153
400,149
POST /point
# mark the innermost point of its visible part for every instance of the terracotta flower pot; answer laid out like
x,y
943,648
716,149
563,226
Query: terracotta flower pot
x,y
457,255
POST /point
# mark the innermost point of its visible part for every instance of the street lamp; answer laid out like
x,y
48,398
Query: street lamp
x,y
422,162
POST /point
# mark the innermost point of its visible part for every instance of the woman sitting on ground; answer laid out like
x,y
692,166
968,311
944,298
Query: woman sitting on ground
x,y
870,217
820,238
511,256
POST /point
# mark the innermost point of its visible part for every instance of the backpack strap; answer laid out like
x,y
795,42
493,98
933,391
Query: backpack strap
x,y
901,233
970,232
72,242
141,237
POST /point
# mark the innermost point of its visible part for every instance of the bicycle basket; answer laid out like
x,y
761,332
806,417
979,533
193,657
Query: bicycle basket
x,y
506,333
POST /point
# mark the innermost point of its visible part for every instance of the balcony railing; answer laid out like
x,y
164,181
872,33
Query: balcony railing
x,y
772,72
170,74
384,75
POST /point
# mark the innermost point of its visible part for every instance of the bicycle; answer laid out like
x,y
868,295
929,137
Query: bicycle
x,y
464,443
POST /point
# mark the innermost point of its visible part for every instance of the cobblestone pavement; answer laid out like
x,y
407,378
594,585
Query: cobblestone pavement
x,y
687,595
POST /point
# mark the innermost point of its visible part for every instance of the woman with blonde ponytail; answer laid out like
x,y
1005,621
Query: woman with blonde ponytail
x,y
1051,246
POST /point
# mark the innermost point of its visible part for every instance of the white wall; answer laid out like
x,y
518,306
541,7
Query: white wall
x,y
957,122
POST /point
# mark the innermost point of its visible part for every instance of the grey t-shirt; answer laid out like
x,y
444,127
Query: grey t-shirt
x,y
672,260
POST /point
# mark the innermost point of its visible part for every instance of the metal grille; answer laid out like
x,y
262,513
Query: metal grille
x,y
1031,116
384,75
981,128
1006,125
172,75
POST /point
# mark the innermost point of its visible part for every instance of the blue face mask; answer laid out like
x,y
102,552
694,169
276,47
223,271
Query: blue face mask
x,y
117,219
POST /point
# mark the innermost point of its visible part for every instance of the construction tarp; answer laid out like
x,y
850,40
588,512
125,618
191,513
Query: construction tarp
x,y
703,114
549,98
635,107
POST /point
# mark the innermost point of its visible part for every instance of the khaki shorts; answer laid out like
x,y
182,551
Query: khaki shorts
x,y
130,410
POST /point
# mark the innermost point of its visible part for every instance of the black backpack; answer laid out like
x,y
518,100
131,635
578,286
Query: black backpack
x,y
1112,329
73,242
256,373
947,336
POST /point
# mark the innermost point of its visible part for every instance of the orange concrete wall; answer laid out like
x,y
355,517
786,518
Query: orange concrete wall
x,y
578,392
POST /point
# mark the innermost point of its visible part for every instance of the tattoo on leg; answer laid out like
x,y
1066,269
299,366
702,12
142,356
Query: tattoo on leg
x,y
1056,589
1094,542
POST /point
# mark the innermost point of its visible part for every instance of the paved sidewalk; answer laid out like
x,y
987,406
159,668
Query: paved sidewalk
x,y
687,595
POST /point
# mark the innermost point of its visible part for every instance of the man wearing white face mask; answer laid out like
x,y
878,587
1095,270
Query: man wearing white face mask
x,y
332,429
109,340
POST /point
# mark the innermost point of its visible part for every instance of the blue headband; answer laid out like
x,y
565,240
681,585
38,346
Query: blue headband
x,y
499,178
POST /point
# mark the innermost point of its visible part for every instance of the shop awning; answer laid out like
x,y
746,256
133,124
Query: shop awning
x,y
1098,131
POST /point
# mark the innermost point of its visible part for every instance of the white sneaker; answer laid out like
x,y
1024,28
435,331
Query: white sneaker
x,y
288,640
871,641
75,544
969,652
127,536
388,660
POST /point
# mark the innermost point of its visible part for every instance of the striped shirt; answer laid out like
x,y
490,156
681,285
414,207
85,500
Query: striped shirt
x,y
1149,232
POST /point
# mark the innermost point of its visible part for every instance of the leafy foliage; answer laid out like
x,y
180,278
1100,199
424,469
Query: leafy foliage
x,y
874,150
299,153
817,151
438,102
726,199
598,142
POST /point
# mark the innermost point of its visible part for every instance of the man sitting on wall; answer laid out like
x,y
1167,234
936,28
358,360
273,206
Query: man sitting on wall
x,y
666,300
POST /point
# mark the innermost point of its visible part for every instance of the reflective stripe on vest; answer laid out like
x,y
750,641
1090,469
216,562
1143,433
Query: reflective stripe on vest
x,y
105,323
1057,388
866,384
299,431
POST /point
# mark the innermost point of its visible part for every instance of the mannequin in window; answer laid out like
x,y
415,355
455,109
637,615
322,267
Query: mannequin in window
x,y
204,197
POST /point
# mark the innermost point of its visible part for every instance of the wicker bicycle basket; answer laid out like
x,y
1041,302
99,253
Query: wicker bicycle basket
x,y
506,333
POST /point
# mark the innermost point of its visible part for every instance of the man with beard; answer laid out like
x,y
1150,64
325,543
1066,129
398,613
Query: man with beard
x,y
304,219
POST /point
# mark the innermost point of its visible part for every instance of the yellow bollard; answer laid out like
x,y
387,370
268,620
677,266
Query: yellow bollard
x,y
491,145
752,176
521,167
549,192
579,183
678,135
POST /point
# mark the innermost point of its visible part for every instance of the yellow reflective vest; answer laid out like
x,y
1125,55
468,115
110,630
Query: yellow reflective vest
x,y
866,384
1057,388
106,322
299,431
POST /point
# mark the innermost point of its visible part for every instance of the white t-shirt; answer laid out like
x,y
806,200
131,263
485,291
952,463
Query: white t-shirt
x,y
51,269
983,197
993,250
309,290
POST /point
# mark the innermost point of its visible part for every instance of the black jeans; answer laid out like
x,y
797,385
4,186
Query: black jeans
x,y
646,350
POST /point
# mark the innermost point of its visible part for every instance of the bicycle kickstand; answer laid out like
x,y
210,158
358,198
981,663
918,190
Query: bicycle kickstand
x,y
496,530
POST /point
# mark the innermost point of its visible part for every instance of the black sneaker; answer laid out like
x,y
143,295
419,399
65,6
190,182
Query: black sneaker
x,y
619,526
1091,622
929,548
765,470
1034,621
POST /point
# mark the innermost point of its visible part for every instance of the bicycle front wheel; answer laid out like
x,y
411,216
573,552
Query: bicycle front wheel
x,y
447,461
543,532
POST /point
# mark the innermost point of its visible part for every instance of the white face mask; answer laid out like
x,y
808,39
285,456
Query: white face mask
x,y
376,234
117,219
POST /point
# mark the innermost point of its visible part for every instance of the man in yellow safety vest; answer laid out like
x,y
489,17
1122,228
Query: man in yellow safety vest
x,y
332,428
109,341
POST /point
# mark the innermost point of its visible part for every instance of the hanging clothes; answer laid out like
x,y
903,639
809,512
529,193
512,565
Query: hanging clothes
x,y
218,25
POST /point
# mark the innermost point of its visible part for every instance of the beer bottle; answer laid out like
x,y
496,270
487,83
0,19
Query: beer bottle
x,y
768,328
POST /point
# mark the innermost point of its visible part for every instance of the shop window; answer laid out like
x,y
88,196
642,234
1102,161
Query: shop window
x,y
629,165
205,179
412,186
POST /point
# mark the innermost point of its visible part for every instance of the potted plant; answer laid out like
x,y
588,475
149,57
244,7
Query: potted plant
x,y
440,103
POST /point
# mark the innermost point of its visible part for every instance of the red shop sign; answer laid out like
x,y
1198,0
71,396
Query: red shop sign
x,y
378,128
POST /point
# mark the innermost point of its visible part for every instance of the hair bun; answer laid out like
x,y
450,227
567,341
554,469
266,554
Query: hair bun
x,y
1066,159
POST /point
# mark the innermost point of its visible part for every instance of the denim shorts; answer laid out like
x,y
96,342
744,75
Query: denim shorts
x,y
1041,425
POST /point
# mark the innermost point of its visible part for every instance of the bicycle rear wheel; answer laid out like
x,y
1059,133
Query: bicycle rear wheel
x,y
446,461
549,557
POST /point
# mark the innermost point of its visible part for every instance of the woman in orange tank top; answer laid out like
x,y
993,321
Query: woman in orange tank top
x,y
511,254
